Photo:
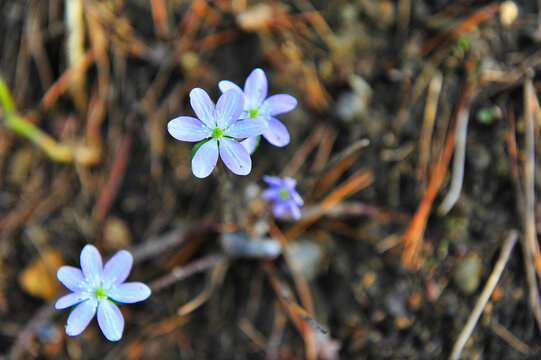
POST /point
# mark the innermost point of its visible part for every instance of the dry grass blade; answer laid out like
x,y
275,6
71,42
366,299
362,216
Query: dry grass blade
x,y
476,18
359,180
432,98
214,279
181,273
64,81
458,165
530,231
116,174
413,235
159,16
485,295
302,153
509,338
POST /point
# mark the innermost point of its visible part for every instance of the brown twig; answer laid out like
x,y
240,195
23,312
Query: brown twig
x,y
40,318
159,245
181,273
109,191
509,338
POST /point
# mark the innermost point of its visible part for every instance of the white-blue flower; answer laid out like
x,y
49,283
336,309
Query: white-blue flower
x,y
257,105
94,288
219,127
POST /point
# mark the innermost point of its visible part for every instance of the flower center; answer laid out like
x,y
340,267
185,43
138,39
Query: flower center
x,y
217,132
283,194
99,292
253,113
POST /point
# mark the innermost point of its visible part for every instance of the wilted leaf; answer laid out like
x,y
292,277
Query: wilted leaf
x,y
39,277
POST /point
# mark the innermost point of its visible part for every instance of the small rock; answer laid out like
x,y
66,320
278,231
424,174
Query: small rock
x,y
468,275
116,234
508,13
353,104
306,257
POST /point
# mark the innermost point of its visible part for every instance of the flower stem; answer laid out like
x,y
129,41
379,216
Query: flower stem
x,y
56,151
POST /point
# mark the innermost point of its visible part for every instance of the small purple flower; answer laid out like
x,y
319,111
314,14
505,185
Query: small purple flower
x,y
282,192
96,289
257,105
217,127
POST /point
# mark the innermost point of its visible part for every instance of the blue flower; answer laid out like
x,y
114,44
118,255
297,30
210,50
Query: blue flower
x,y
96,289
217,127
282,192
257,105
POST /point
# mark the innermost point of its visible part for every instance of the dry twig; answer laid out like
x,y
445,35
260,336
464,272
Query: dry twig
x,y
492,281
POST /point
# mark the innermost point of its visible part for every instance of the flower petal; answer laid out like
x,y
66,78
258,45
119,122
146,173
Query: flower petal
x,y
129,293
117,269
290,183
91,265
276,133
296,198
80,317
186,128
250,144
229,108
255,88
110,320
205,159
203,106
273,180
235,156
294,210
247,128
72,278
225,85
271,194
279,209
279,104
69,300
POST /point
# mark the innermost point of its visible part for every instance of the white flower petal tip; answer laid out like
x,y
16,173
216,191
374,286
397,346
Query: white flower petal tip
x,y
130,293
110,320
235,157
205,159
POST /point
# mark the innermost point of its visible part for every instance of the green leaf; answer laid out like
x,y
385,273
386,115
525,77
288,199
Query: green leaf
x,y
5,98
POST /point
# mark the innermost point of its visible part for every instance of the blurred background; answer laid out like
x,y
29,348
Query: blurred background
x,y
414,144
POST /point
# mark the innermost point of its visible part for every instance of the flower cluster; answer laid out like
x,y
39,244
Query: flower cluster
x,y
96,288
282,192
230,130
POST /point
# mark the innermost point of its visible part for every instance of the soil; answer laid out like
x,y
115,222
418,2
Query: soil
x,y
400,105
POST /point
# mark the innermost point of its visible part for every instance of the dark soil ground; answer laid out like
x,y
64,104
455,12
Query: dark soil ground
x,y
374,269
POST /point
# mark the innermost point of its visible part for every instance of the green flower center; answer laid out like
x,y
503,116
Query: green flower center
x,y
100,292
217,132
254,112
283,194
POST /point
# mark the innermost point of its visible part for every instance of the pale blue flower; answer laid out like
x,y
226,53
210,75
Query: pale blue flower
x,y
218,127
282,192
257,105
96,288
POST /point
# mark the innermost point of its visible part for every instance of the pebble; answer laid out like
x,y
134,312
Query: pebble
x,y
353,104
468,274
